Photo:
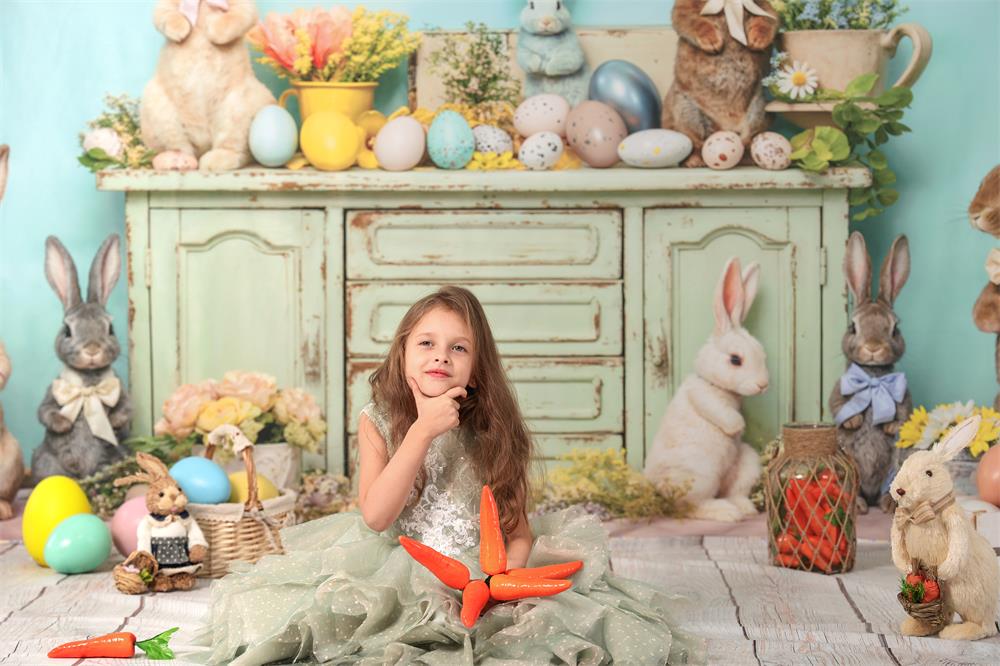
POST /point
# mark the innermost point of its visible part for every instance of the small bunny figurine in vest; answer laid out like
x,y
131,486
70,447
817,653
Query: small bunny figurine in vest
x,y
169,534
722,55
549,52
11,457
931,529
197,109
86,411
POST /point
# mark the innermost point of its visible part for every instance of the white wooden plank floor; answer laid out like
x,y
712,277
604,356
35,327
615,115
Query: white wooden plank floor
x,y
749,611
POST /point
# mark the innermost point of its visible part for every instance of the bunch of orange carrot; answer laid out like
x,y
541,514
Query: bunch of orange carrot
x,y
814,536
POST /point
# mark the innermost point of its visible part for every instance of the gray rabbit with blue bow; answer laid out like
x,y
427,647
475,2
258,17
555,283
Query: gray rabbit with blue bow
x,y
86,411
870,401
549,52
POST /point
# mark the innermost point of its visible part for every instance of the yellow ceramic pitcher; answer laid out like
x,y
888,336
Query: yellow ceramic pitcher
x,y
351,99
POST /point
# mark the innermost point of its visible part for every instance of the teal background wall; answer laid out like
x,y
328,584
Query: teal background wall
x,y
59,58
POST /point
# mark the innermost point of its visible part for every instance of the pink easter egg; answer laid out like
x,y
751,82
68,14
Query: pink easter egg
x,y
125,522
594,131
723,150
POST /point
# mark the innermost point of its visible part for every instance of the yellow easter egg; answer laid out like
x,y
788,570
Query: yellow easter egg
x,y
330,141
239,492
52,501
371,122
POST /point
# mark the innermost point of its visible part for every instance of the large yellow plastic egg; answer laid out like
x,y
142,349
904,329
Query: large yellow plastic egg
x,y
330,141
52,501
239,493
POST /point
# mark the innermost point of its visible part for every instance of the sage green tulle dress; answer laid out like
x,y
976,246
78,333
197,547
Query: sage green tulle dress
x,y
344,594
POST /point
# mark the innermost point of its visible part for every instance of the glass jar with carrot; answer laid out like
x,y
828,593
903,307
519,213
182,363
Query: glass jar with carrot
x,y
810,489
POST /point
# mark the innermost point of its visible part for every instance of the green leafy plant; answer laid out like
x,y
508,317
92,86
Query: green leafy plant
x,y
837,14
114,138
866,122
475,67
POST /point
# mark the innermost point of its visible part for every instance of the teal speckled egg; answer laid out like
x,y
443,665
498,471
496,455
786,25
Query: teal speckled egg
x,y
78,544
450,141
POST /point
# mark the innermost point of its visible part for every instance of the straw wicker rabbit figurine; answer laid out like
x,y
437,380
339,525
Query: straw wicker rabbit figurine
x,y
699,440
85,411
11,458
930,527
549,52
169,534
720,63
984,214
197,109
871,402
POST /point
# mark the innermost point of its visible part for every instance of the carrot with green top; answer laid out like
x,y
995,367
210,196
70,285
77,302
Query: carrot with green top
x,y
120,644
492,553
449,571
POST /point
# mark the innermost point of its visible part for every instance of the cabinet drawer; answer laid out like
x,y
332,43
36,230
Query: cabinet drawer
x,y
451,244
556,395
527,319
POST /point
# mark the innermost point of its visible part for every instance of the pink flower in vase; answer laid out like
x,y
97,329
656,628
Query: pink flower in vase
x,y
275,38
254,387
329,30
295,405
180,410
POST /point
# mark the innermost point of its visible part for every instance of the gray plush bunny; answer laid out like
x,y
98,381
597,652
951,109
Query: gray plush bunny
x,y
871,402
549,52
86,410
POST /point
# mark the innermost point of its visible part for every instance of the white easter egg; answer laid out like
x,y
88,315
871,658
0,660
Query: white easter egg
x,y
490,139
655,148
541,151
542,113
722,150
399,145
772,151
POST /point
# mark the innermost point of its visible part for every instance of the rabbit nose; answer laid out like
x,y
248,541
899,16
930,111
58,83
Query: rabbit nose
x,y
900,492
92,348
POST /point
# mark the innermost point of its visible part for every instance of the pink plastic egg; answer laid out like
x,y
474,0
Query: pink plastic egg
x,y
594,131
723,150
125,522
399,145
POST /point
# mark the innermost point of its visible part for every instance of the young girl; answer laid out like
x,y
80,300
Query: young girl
x,y
443,422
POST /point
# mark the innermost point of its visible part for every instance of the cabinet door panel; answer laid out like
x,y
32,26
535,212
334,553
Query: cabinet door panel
x,y
685,251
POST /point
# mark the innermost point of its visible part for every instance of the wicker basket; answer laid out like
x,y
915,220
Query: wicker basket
x,y
244,532
132,582
931,613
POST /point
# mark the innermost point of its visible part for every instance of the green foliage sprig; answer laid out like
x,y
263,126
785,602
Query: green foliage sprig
x,y
475,67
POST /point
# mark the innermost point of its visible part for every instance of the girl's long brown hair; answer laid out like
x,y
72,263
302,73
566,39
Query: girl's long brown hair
x,y
502,447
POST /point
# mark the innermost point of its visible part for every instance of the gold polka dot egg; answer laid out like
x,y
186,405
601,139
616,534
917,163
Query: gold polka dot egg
x,y
722,150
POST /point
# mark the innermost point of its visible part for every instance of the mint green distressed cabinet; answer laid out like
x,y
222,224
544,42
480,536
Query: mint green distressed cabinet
x,y
597,283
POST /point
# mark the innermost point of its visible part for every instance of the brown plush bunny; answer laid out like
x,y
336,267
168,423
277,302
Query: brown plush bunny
x,y
11,458
984,214
169,535
716,77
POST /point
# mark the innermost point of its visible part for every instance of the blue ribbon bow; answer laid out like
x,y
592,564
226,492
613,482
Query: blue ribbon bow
x,y
882,393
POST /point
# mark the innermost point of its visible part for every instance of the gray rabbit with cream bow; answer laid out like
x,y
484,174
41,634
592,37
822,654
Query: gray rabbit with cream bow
x,y
85,412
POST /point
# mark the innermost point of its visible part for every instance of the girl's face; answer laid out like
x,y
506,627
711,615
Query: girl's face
x,y
439,353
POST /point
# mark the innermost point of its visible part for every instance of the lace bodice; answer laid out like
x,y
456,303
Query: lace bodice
x,y
446,516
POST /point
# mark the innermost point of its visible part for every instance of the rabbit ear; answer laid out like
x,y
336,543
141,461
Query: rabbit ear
x,y
152,464
858,269
61,273
729,298
959,438
751,280
141,477
104,272
895,270
4,157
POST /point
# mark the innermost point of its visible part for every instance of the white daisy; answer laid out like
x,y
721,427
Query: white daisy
x,y
941,420
797,80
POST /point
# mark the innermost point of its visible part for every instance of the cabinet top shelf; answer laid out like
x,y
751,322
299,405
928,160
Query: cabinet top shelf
x,y
619,179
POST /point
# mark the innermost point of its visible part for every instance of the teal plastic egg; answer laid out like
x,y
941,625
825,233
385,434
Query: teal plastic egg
x,y
450,141
78,544
274,138
202,480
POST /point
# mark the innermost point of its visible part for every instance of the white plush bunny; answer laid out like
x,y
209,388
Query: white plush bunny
x,y
930,527
699,440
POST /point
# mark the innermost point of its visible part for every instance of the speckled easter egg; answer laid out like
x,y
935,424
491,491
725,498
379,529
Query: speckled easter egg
x,y
770,150
490,139
450,141
542,113
594,131
541,151
655,148
722,150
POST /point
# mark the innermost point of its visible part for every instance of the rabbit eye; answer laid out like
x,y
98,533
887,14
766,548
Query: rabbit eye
x,y
161,493
111,329
851,328
558,6
929,473
66,331
736,360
